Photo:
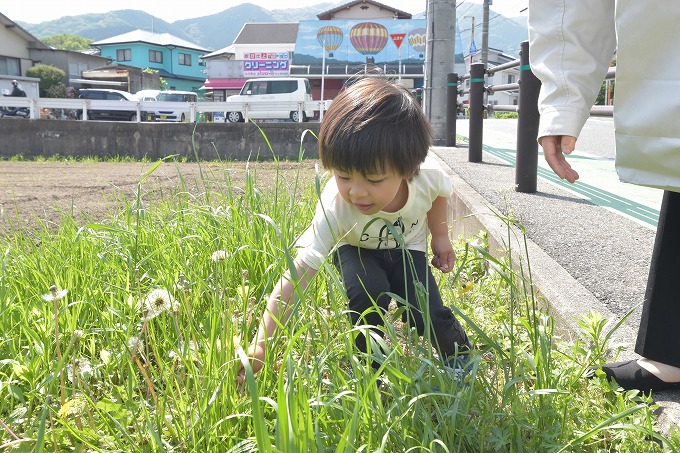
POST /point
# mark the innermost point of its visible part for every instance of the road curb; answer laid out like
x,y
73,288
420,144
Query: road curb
x,y
564,298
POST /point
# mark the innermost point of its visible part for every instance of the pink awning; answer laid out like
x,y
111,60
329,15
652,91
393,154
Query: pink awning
x,y
224,84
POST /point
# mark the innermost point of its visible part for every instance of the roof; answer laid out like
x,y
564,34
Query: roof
x,y
399,14
268,33
159,39
225,51
31,40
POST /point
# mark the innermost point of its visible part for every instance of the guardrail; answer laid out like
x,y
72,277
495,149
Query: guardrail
x,y
526,169
35,105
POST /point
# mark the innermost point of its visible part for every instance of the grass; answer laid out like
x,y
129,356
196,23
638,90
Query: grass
x,y
121,334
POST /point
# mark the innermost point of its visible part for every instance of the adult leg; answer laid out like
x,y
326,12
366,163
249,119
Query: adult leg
x,y
658,338
366,285
411,278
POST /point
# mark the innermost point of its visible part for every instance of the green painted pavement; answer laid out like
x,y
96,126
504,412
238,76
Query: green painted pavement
x,y
599,196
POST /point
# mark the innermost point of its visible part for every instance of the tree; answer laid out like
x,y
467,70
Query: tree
x,y
65,41
50,76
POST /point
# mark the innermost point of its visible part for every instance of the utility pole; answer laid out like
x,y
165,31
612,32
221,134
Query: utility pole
x,y
439,62
485,33
485,44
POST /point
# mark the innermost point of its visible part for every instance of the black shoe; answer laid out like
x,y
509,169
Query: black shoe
x,y
631,376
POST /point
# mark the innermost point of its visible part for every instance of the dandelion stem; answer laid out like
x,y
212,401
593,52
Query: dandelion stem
x,y
147,380
55,298
4,425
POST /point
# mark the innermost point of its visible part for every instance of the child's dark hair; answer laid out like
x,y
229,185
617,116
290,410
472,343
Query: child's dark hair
x,y
374,126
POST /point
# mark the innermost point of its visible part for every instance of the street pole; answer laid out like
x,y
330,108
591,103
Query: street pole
x,y
323,73
485,44
439,62
485,34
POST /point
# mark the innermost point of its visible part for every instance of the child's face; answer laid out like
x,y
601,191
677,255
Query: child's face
x,y
374,192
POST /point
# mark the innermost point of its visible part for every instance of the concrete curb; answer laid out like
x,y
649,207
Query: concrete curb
x,y
564,297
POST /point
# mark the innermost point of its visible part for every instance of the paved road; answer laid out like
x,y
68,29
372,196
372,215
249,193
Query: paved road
x,y
607,250
593,159
599,230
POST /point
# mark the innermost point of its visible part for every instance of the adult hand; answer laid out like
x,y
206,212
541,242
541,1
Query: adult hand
x,y
554,149
444,257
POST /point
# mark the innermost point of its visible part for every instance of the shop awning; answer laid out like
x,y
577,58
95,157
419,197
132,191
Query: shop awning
x,y
223,84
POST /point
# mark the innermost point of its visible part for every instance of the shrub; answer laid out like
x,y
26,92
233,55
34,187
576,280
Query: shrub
x,y
505,115
49,76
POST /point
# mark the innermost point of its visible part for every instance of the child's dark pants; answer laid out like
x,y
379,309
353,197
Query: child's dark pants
x,y
368,276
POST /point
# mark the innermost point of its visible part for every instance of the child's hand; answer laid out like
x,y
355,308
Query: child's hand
x,y
444,257
256,358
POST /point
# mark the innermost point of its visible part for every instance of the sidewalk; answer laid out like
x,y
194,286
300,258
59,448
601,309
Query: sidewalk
x,y
589,244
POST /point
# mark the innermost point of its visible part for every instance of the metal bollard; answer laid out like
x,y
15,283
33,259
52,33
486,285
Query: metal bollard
x,y
526,171
476,112
451,108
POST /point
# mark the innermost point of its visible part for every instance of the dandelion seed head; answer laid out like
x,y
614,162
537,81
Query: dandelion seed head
x,y
135,343
78,334
219,255
81,366
176,306
54,295
158,301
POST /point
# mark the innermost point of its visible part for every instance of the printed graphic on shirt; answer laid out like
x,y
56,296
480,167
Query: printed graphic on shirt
x,y
386,238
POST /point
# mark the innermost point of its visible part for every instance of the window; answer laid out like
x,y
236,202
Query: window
x,y
76,69
124,54
155,56
511,78
283,86
10,66
185,59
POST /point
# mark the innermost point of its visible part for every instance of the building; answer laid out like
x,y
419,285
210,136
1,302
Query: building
x,y
20,50
259,50
357,37
176,61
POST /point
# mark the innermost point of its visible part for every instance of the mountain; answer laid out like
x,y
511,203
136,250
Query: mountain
x,y
219,30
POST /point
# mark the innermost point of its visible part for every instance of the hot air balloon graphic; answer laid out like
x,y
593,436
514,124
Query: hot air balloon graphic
x,y
368,38
330,38
417,39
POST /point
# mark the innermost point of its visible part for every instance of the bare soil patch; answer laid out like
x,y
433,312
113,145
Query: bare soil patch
x,y
34,194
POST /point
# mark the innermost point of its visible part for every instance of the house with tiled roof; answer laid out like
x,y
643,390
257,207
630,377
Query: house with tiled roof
x,y
177,61
20,50
362,31
256,43
361,9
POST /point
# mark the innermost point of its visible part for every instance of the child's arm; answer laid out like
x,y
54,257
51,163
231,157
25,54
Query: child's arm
x,y
437,220
278,308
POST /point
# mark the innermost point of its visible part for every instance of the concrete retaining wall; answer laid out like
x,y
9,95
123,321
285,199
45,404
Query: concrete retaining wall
x,y
207,141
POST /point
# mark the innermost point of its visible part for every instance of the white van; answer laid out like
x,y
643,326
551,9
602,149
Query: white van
x,y
272,98
173,113
148,95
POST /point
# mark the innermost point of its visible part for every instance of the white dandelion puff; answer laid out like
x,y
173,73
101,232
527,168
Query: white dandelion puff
x,y
81,366
135,343
54,295
158,301
219,255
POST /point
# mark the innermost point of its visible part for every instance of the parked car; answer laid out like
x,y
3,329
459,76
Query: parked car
x,y
174,96
104,94
147,95
272,98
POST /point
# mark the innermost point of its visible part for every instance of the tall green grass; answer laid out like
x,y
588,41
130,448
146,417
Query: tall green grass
x,y
87,363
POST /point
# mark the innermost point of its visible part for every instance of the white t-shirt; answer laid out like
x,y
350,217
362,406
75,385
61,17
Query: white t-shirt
x,y
337,222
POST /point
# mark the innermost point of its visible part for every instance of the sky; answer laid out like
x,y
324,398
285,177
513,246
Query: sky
x,y
37,11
